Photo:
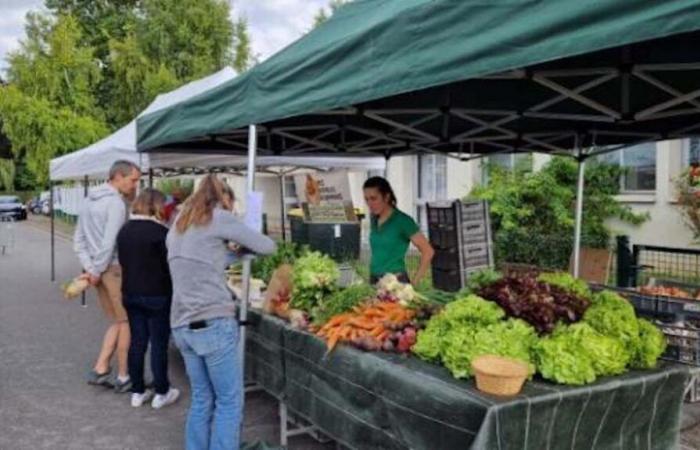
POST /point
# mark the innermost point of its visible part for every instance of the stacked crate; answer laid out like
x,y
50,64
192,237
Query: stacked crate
x,y
460,233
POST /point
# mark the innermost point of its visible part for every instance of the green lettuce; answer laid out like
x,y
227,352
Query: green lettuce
x,y
511,338
431,341
608,354
652,344
472,309
314,277
613,316
566,282
560,358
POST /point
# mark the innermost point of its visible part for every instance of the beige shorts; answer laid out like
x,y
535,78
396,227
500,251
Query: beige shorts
x,y
109,292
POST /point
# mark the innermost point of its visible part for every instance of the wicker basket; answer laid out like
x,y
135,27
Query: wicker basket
x,y
498,375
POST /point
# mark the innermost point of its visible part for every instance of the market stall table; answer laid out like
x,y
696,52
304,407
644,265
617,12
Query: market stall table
x,y
388,401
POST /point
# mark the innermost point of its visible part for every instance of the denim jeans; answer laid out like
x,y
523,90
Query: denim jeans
x,y
213,367
149,320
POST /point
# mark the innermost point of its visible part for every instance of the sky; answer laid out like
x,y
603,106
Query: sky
x,y
273,23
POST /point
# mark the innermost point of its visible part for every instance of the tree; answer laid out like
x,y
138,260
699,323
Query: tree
x,y
7,174
48,107
173,42
323,15
243,54
533,213
688,189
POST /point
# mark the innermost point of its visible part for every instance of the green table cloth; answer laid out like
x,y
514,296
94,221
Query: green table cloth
x,y
388,401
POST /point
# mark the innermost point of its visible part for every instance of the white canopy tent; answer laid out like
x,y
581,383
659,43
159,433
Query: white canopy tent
x,y
95,160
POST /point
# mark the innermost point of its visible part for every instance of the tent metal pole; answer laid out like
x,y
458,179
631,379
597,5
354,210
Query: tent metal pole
x,y
247,261
581,158
86,181
283,208
150,178
53,232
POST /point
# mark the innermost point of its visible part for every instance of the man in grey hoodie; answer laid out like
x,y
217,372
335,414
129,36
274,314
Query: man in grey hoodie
x,y
95,244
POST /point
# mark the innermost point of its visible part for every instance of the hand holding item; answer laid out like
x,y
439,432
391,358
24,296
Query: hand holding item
x,y
76,286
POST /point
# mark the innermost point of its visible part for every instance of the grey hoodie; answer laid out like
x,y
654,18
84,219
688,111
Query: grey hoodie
x,y
197,260
98,225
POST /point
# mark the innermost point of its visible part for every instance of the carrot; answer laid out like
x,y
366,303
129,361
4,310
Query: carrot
x,y
332,342
377,331
384,335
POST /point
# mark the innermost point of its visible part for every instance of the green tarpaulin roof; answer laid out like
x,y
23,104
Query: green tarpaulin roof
x,y
458,76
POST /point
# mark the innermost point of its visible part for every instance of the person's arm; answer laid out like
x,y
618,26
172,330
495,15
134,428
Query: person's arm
x,y
228,228
116,213
426,256
81,248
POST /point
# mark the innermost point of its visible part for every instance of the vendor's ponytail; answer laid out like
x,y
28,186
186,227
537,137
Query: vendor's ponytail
x,y
384,188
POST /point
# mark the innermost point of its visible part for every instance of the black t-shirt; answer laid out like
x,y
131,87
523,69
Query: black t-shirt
x,y
143,257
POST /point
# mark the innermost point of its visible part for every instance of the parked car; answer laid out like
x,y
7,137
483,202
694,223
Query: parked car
x,y
12,206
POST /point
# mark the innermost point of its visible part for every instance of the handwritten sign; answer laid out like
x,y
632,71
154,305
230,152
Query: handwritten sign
x,y
325,197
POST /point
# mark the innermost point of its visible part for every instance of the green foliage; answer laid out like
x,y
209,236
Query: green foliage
x,y
287,253
170,185
613,316
7,174
652,344
567,282
560,358
243,58
689,201
479,279
511,338
40,131
87,66
323,15
533,213
314,277
341,301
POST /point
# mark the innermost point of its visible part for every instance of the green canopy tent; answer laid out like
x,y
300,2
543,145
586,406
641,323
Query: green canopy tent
x,y
462,78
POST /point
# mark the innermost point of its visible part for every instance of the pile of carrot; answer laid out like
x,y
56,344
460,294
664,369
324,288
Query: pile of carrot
x,y
368,326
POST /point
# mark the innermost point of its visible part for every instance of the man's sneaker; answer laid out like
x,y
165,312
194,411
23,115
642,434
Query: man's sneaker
x,y
99,379
122,387
171,397
139,399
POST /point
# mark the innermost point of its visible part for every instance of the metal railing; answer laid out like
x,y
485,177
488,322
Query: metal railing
x,y
638,264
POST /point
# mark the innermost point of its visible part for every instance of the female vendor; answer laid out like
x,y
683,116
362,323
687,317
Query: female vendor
x,y
392,231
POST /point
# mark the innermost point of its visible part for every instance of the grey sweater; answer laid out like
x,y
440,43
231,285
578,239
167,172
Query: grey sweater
x,y
197,260
95,238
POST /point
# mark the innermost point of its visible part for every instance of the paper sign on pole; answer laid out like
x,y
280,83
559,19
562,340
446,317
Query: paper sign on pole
x,y
254,211
325,197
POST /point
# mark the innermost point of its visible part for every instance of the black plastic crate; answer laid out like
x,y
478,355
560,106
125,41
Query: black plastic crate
x,y
443,236
447,259
447,280
323,237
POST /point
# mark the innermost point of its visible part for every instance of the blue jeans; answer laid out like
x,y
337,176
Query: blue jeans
x,y
149,320
213,367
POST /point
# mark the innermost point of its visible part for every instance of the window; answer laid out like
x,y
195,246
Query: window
x,y
639,163
691,152
432,184
375,173
506,161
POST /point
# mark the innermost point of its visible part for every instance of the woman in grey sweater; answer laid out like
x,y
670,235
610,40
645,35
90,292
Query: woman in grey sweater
x,y
203,313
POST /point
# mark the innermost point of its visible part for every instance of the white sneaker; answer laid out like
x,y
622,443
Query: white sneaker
x,y
139,399
160,401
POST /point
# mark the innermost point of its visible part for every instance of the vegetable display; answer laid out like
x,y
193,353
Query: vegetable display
x,y
390,289
373,326
287,253
566,282
471,327
314,277
613,316
341,301
538,303
652,344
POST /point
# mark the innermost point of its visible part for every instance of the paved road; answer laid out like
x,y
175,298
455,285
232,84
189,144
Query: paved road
x,y
46,346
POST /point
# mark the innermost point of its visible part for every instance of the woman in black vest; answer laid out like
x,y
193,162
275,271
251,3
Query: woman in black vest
x,y
147,293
